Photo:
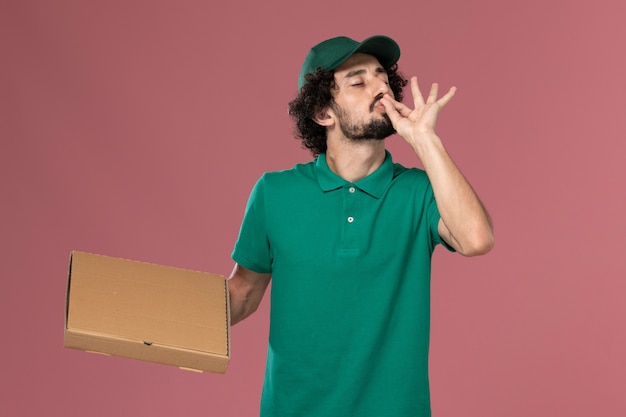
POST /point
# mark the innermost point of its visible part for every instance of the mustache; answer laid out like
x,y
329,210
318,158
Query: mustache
x,y
376,100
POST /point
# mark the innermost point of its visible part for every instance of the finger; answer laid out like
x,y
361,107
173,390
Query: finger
x,y
447,97
432,96
399,106
396,111
418,100
390,109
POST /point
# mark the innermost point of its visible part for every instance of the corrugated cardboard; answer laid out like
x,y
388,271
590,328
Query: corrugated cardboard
x,y
148,312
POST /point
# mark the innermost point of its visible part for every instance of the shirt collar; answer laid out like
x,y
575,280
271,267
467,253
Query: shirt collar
x,y
374,184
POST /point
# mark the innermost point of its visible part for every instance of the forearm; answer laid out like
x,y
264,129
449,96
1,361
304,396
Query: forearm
x,y
463,214
239,306
246,289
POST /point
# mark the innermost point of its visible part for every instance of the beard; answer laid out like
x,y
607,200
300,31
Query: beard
x,y
377,129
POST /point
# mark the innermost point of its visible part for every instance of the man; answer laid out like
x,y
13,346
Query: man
x,y
347,240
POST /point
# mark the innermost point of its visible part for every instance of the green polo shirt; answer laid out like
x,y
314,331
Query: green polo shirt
x,y
350,294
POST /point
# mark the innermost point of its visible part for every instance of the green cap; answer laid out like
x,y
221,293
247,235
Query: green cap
x,y
333,52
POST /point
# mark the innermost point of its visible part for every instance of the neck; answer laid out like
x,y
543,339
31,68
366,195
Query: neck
x,y
353,161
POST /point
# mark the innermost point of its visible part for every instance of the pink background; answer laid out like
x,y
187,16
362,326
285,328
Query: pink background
x,y
137,128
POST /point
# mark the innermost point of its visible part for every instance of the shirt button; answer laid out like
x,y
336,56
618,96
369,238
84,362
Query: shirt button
x,y
352,189
350,219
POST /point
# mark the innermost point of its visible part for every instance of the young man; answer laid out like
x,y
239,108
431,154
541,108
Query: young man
x,y
347,240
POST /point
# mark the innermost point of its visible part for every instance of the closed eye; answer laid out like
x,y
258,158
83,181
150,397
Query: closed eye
x,y
381,70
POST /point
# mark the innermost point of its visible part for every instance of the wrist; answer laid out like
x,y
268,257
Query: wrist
x,y
423,142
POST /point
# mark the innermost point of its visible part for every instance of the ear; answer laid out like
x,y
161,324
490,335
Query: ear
x,y
324,117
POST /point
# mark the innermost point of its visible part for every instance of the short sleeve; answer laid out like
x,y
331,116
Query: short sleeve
x,y
432,213
252,249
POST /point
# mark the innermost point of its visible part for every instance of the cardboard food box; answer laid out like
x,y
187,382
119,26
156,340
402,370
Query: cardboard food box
x,y
148,312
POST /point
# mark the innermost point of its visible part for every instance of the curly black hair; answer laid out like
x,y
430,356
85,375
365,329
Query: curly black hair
x,y
315,96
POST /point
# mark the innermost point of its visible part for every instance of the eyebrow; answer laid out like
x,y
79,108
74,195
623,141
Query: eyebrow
x,y
362,71
355,72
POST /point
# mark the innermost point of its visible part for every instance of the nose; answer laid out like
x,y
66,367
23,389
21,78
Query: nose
x,y
381,87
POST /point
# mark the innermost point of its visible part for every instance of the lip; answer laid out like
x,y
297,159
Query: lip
x,y
379,106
